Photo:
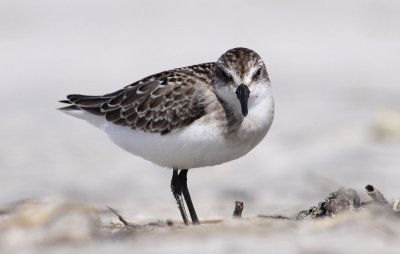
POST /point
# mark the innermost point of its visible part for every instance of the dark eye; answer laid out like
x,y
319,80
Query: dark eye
x,y
224,75
257,74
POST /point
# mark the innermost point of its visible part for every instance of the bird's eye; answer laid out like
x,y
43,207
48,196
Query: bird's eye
x,y
226,76
257,74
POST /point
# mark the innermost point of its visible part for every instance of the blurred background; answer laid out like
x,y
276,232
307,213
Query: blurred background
x,y
334,68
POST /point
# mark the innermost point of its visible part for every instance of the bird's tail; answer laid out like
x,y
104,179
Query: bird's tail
x,y
69,107
89,103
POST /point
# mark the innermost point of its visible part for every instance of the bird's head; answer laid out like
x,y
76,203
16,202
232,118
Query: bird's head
x,y
241,79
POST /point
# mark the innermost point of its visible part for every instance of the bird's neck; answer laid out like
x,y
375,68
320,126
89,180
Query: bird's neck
x,y
234,118
257,122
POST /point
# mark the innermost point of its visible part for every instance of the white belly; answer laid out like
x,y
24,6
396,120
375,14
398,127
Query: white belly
x,y
195,146
198,145
192,147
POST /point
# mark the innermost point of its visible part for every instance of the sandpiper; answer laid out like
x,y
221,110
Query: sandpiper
x,y
189,117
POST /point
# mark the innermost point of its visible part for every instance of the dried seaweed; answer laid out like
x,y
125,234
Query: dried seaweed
x,y
335,203
346,200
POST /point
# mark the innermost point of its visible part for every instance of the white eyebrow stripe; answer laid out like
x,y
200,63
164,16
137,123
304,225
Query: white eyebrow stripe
x,y
236,79
234,75
253,70
247,78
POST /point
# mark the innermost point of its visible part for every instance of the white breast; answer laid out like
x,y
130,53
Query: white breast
x,y
198,145
255,126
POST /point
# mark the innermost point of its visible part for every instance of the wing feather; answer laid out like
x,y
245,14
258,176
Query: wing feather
x,y
159,104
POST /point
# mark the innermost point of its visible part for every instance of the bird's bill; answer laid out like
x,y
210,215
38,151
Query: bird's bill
x,y
243,93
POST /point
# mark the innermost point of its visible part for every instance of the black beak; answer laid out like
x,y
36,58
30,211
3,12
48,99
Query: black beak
x,y
243,93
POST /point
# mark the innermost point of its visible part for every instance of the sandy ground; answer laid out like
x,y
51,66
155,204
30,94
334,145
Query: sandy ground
x,y
335,74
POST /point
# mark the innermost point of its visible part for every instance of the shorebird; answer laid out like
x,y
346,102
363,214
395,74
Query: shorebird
x,y
189,117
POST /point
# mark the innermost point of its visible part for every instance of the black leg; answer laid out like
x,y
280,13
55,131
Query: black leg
x,y
176,188
185,191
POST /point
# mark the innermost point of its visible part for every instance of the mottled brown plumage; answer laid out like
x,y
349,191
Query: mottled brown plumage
x,y
159,103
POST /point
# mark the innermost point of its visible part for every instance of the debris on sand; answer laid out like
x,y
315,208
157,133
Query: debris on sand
x,y
347,200
237,213
48,223
336,202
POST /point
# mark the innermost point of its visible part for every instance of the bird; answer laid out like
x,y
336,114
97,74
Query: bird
x,y
185,118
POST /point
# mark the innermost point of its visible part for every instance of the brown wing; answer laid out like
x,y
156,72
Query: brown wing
x,y
160,103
